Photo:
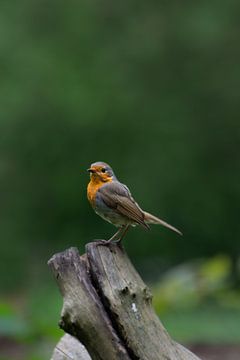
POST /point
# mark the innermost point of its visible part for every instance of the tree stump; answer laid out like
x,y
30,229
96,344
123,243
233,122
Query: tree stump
x,y
108,308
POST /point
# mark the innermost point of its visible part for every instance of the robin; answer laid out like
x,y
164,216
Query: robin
x,y
113,201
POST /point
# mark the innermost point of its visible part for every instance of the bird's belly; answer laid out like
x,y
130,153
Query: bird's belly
x,y
112,217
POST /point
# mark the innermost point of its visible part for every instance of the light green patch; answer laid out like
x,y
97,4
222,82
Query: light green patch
x,y
206,325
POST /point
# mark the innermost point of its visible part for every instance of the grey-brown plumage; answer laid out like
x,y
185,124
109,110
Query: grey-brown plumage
x,y
114,202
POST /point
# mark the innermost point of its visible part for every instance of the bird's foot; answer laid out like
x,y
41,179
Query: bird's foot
x,y
101,242
108,242
116,238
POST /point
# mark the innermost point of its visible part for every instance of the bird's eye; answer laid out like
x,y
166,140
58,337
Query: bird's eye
x,y
103,170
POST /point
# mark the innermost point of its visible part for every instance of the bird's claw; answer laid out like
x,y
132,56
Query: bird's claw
x,y
108,242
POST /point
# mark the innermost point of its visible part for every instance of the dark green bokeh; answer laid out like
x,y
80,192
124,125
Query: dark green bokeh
x,y
152,88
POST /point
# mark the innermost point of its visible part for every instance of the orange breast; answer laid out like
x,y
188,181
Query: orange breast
x,y
93,186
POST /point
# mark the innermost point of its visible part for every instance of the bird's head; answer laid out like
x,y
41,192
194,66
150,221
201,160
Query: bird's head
x,y
101,171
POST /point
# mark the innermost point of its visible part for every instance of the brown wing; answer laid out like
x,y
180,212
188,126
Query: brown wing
x,y
117,196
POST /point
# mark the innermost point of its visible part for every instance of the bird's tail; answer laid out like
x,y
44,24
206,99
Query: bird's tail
x,y
151,219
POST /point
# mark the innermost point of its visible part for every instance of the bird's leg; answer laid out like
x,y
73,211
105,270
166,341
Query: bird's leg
x,y
113,238
116,238
116,235
125,229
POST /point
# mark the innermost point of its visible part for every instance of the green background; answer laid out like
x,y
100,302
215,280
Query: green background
x,y
152,88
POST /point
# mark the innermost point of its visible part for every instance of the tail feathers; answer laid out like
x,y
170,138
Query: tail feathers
x,y
151,219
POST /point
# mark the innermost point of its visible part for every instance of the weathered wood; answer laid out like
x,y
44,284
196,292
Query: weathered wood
x,y
83,314
69,348
108,307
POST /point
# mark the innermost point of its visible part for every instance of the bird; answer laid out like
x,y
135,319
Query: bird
x,y
113,202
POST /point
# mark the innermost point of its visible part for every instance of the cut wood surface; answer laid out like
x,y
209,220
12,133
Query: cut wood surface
x,y
108,308
69,348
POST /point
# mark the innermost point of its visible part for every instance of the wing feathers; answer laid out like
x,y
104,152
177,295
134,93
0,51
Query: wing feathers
x,y
128,208
118,197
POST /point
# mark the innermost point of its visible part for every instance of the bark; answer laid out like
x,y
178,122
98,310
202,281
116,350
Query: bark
x,y
108,308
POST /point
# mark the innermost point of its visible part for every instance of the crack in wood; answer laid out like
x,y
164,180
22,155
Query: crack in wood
x,y
108,308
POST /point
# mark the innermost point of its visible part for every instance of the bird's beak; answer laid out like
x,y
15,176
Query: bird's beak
x,y
91,170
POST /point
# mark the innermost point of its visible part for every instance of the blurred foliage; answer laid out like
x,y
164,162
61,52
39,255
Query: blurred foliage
x,y
33,319
196,304
152,88
10,322
204,325
188,286
30,326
